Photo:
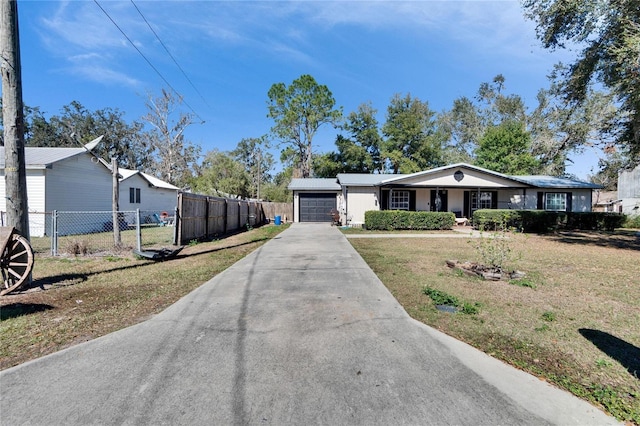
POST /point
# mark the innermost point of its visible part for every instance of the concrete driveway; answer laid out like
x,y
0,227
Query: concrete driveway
x,y
299,332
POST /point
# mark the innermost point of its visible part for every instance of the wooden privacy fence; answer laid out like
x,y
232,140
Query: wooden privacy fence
x,y
203,217
284,210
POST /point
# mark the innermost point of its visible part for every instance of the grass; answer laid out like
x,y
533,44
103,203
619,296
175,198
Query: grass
x,y
573,320
87,297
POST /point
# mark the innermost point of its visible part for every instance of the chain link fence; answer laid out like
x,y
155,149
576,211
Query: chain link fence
x,y
92,233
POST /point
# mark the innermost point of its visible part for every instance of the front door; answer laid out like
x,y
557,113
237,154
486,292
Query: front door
x,y
439,201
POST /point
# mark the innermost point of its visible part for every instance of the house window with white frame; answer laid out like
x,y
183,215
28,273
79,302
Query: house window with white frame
x,y
555,201
399,200
481,200
134,195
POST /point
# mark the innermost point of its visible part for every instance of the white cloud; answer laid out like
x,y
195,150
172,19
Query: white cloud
x,y
104,75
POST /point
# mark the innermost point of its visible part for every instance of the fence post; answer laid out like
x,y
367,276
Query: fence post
x,y
54,233
138,231
176,222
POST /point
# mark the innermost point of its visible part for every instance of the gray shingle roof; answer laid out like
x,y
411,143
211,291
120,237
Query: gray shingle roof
x,y
541,181
362,179
40,158
315,184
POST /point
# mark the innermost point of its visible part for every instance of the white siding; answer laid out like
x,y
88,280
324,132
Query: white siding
x,y
455,200
360,200
78,184
35,200
151,198
629,191
581,200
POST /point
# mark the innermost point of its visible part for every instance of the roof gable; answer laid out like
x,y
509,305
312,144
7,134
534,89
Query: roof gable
x,y
457,175
151,180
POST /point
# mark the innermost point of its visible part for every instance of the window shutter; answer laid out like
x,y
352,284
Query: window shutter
x,y
412,201
569,202
494,199
384,199
132,195
540,201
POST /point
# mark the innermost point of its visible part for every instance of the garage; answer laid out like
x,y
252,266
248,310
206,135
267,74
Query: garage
x,y
316,207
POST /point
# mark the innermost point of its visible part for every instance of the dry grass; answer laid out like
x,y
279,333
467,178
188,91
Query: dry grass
x,y
579,326
76,299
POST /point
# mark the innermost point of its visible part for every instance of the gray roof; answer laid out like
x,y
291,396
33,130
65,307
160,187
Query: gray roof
x,y
152,180
40,158
542,181
315,184
363,179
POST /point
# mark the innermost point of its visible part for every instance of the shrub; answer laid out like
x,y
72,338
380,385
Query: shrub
x,y
632,222
388,220
541,221
440,297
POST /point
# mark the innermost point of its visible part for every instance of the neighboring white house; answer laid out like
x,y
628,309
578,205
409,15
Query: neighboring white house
x,y
74,180
629,191
142,191
459,188
69,179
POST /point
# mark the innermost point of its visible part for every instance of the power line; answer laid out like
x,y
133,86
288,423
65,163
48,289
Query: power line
x,y
170,55
147,60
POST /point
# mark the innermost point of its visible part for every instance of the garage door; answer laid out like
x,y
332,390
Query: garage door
x,y
316,207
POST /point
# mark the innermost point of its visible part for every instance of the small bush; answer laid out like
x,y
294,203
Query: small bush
x,y
77,247
440,297
387,220
549,316
632,222
541,221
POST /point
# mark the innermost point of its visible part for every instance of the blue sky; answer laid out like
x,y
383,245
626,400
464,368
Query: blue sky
x,y
233,51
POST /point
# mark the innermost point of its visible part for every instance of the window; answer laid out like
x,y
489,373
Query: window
x,y
399,200
134,195
484,201
556,201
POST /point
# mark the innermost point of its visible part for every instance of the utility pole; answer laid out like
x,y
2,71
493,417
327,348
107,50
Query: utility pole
x,y
15,172
115,206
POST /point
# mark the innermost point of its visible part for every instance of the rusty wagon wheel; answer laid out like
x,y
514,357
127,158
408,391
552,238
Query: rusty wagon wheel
x,y
16,263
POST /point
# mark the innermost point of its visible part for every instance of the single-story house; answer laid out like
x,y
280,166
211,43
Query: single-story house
x,y
606,201
142,191
459,188
629,191
69,179
75,180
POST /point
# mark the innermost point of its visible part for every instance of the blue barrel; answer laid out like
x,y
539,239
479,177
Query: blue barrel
x,y
278,220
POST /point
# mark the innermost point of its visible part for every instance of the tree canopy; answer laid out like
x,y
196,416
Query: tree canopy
x,y
608,32
412,141
298,111
506,148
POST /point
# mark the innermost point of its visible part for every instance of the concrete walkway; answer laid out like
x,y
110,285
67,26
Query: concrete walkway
x,y
299,332
456,232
